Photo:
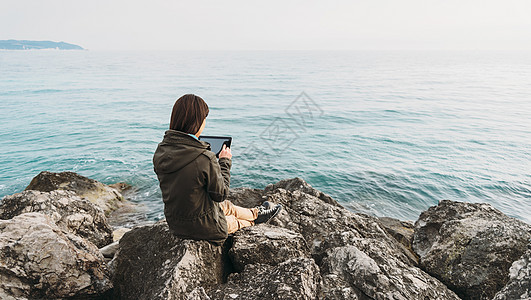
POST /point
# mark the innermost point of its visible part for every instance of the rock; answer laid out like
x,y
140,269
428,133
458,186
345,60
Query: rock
x,y
66,209
519,285
96,192
469,246
198,294
118,233
264,244
109,250
151,263
39,260
403,232
292,279
316,220
335,287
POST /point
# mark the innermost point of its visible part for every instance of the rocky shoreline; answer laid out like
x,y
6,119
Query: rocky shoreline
x,y
56,243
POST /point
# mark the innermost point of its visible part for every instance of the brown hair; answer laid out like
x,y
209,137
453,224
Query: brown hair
x,y
188,114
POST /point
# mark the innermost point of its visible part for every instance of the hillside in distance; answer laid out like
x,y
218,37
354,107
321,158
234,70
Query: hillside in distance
x,y
36,45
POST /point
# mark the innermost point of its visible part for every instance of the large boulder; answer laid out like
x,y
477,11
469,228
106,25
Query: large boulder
x,y
469,246
519,285
39,260
66,209
152,263
106,197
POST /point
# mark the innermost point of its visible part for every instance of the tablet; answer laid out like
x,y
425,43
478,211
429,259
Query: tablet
x,y
216,142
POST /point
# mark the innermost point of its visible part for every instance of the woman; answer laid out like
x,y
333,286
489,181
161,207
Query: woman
x,y
195,184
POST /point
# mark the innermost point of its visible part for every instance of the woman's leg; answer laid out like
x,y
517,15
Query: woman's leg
x,y
241,213
238,217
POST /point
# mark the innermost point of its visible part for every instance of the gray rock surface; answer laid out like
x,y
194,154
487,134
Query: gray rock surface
x,y
293,279
519,285
66,209
151,263
469,246
198,293
369,268
39,260
266,244
106,197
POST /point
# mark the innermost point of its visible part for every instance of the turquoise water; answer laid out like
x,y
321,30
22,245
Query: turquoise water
x,y
386,133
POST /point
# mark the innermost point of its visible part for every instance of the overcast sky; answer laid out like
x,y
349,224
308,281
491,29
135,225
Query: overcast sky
x,y
272,24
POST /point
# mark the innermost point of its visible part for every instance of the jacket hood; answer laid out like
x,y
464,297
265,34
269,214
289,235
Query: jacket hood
x,y
177,150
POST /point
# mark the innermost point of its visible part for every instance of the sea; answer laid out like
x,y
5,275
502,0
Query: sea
x,y
387,133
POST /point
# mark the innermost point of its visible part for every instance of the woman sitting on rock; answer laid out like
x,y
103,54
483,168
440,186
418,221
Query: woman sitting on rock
x,y
195,184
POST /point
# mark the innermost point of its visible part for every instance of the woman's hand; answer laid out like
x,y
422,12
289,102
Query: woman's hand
x,y
225,152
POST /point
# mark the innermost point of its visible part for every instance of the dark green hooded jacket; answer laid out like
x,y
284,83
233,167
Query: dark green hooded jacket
x,y
192,182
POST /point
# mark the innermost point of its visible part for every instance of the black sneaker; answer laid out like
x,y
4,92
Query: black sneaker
x,y
266,214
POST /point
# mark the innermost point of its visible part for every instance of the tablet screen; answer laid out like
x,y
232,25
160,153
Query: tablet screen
x,y
216,142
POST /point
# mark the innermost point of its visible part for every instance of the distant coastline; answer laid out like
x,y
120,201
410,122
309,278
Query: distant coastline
x,y
36,45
